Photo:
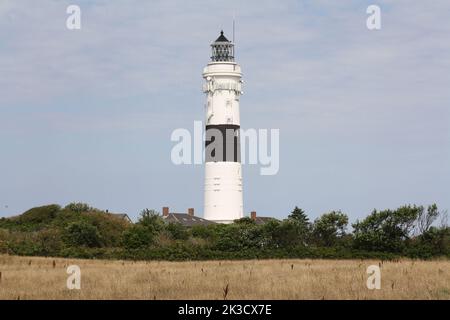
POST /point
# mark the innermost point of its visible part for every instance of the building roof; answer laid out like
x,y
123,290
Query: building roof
x,y
222,38
262,220
122,216
186,220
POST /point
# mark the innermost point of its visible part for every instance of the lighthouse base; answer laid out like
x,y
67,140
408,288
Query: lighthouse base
x,y
223,192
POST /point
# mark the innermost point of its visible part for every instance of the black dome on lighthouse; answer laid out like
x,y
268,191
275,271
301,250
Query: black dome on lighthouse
x,y
222,38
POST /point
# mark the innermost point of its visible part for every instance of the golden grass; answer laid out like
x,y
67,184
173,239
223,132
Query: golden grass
x,y
45,278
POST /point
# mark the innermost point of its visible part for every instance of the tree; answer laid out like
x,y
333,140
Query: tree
x,y
297,228
270,232
386,230
299,216
151,220
426,218
143,233
330,227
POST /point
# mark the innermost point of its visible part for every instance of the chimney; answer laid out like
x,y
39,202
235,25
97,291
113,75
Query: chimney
x,y
191,212
253,215
165,211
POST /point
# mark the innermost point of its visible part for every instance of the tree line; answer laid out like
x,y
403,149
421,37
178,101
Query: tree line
x,y
80,231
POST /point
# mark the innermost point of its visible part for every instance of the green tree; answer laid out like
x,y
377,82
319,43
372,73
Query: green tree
x,y
297,228
386,230
299,216
426,218
144,232
329,228
152,220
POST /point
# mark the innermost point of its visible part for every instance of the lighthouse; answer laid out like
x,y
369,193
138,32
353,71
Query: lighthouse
x,y
223,201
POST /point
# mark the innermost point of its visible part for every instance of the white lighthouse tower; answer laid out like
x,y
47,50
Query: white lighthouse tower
x,y
223,176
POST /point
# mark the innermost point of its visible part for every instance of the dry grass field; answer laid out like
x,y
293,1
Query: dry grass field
x,y
45,278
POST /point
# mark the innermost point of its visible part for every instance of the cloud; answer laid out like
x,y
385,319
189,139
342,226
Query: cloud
x,y
345,98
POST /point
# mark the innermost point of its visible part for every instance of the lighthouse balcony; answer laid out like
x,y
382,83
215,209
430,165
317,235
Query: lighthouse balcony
x,y
211,86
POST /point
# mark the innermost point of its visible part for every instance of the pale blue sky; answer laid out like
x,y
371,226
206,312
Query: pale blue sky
x,y
87,115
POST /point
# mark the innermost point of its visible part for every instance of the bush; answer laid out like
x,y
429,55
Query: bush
x,y
204,232
290,233
240,236
78,207
4,236
82,234
50,242
75,232
433,242
33,219
151,220
138,237
110,228
177,231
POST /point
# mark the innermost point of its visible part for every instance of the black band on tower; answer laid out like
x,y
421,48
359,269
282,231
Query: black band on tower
x,y
222,143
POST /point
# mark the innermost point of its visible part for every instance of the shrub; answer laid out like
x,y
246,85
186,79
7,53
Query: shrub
x,y
78,207
138,237
434,242
110,228
151,220
240,236
204,232
50,242
82,234
245,220
33,219
177,231
290,233
4,236
75,232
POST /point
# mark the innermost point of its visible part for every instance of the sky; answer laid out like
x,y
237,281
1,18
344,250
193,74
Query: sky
x,y
86,115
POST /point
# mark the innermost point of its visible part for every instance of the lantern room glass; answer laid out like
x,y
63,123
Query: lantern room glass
x,y
222,51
